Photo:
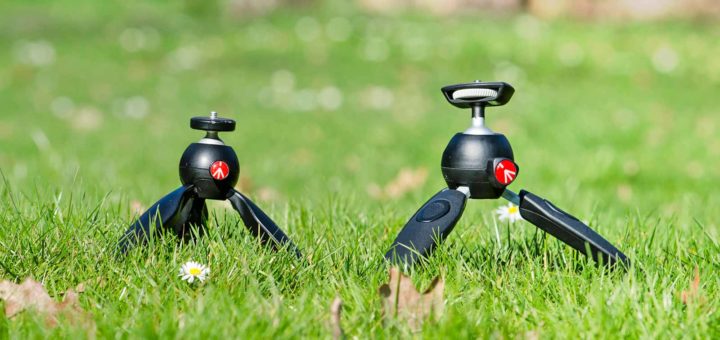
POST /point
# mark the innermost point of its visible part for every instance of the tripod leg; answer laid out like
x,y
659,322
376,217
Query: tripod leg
x,y
171,212
428,227
259,223
565,227
197,218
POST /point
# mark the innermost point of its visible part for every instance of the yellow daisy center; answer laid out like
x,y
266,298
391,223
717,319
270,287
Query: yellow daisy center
x,y
513,209
195,271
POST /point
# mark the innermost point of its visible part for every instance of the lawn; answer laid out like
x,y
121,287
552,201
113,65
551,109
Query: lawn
x,y
614,122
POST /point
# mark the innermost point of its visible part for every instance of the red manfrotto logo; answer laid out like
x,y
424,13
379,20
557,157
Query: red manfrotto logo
x,y
219,170
505,172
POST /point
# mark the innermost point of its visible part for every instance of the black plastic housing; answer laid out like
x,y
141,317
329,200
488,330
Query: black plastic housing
x,y
429,227
569,229
468,160
195,166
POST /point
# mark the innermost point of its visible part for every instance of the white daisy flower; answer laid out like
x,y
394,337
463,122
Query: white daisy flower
x,y
510,212
191,270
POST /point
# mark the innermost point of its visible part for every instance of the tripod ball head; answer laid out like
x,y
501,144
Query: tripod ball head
x,y
210,166
479,159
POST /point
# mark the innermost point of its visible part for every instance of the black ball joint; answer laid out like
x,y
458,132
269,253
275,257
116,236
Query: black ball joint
x,y
202,166
471,160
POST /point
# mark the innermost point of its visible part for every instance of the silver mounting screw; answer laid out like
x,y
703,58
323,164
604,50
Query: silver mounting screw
x,y
213,114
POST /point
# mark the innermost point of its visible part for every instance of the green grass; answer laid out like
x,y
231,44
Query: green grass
x,y
597,128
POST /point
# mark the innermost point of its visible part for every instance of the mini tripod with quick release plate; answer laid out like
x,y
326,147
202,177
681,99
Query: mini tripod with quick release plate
x,y
209,169
478,163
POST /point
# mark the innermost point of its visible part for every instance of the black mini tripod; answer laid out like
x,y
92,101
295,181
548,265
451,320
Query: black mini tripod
x,y
478,163
209,169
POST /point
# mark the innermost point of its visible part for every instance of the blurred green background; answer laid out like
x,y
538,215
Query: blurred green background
x,y
332,98
340,129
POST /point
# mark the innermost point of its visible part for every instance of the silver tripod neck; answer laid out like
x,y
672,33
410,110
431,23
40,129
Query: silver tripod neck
x,y
477,127
211,138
